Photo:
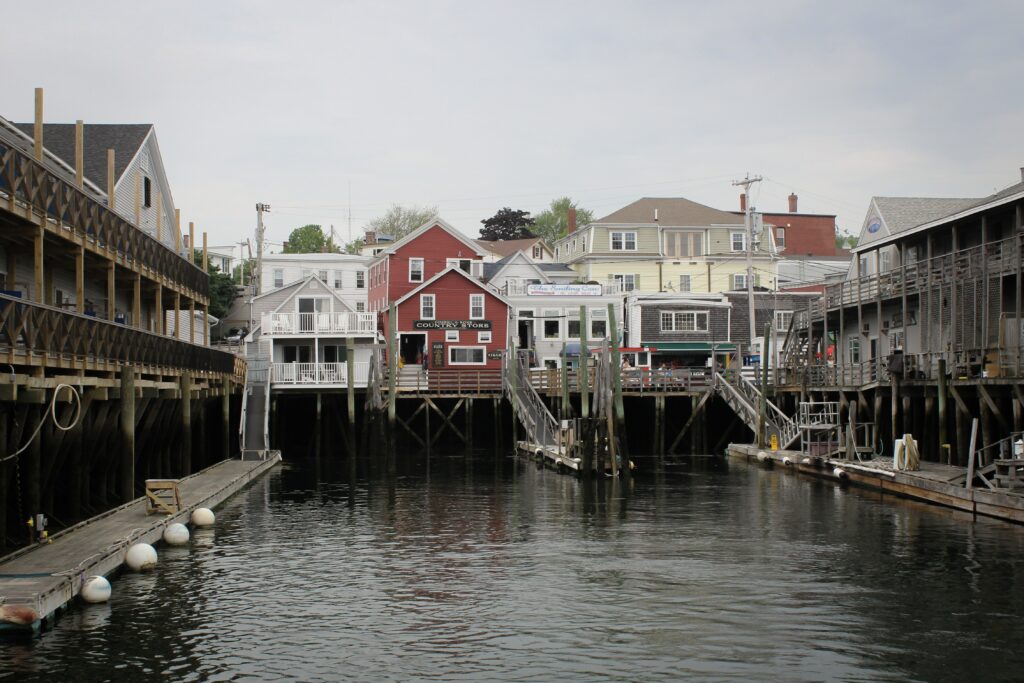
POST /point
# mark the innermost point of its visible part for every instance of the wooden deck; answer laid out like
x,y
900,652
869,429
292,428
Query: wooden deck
x,y
933,483
47,577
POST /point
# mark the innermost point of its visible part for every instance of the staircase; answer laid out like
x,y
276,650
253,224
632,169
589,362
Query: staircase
x,y
256,408
540,424
745,398
794,348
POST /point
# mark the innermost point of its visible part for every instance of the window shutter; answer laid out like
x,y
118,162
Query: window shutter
x,y
636,281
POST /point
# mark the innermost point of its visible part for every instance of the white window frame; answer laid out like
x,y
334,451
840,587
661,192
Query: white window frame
x,y
782,321
483,353
569,319
433,306
598,315
739,281
538,252
278,277
622,278
451,335
623,240
780,238
420,262
483,307
853,349
360,280
743,241
547,316
483,337
322,275
360,307
685,278
677,321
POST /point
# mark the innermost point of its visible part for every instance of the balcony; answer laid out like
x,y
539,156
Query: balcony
x,y
312,324
283,375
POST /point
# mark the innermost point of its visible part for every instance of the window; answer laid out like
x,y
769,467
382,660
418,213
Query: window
x,y
739,241
885,258
322,274
780,238
557,250
864,268
466,355
627,282
278,277
622,241
338,284
573,328
684,321
598,323
476,306
451,335
415,270
360,280
853,349
583,244
552,324
538,252
573,248
739,281
782,320
684,244
684,283
360,307
483,337
147,192
426,306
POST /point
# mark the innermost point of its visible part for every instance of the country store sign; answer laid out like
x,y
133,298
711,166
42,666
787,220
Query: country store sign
x,y
563,290
451,325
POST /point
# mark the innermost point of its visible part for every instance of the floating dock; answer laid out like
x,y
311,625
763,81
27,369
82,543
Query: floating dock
x,y
45,577
550,455
933,483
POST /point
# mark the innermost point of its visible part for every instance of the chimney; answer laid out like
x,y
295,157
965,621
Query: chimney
x,y
371,237
743,201
792,202
284,246
572,220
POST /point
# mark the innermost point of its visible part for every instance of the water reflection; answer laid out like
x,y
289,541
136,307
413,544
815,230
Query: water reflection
x,y
485,567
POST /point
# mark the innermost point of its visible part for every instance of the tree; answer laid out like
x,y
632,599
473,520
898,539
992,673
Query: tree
x,y
507,224
222,289
399,221
553,222
845,240
309,239
242,273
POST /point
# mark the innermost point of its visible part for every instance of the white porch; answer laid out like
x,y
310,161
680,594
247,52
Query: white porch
x,y
285,375
331,323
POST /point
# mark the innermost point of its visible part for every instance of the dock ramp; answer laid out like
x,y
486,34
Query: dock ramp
x,y
744,398
254,427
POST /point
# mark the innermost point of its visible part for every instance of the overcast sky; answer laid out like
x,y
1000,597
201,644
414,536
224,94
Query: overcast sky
x,y
472,106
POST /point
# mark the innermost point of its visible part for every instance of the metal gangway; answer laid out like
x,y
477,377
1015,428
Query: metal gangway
x,y
546,437
744,398
255,423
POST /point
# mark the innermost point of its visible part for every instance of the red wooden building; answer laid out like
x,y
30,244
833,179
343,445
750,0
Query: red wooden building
x,y
446,316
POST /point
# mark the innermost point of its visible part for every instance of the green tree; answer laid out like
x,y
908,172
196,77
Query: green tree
x,y
553,222
242,273
507,224
309,239
398,222
222,289
845,240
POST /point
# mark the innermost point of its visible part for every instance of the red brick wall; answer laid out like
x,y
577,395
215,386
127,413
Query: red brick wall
x,y
805,233
452,303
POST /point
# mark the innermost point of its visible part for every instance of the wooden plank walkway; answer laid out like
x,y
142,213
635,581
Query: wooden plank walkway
x,y
46,577
934,483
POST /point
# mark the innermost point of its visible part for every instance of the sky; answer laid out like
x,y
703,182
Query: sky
x,y
329,109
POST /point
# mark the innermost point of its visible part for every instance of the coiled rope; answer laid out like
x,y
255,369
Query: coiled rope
x,y
52,410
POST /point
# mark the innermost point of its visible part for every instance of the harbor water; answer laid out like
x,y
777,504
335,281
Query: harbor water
x,y
488,568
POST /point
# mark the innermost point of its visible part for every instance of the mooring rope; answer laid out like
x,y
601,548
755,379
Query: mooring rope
x,y
53,416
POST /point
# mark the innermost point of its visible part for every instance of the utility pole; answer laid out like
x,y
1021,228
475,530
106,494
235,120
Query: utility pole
x,y
258,270
748,224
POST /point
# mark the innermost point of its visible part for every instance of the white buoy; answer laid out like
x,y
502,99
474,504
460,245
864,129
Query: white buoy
x,y
176,534
840,473
786,460
203,517
806,461
761,456
140,557
96,589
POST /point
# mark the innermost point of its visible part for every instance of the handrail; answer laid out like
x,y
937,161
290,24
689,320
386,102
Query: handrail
x,y
25,179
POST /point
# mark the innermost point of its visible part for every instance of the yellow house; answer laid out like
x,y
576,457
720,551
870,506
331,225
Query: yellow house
x,y
668,244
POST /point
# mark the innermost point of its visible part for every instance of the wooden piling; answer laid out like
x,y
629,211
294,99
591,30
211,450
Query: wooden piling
x,y
762,409
615,372
659,425
184,465
5,450
127,469
393,363
944,454
566,405
582,370
225,419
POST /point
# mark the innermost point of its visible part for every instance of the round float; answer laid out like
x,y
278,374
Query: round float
x,y
96,589
140,557
176,534
203,517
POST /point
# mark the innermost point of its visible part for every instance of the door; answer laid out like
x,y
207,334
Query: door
x,y
526,334
307,307
411,348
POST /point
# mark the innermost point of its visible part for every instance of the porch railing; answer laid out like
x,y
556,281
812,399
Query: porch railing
x,y
318,373
340,323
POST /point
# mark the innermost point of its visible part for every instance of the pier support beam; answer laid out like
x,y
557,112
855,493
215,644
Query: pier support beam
x,y
5,449
185,450
942,398
225,419
127,485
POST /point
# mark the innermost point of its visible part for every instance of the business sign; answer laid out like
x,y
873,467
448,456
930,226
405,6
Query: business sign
x,y
451,325
563,290
437,355
495,355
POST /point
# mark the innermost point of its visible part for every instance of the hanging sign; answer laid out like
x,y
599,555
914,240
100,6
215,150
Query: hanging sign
x,y
451,324
563,290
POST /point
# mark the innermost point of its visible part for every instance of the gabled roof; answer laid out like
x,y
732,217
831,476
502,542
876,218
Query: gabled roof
x,y
437,222
124,138
302,285
672,212
452,269
509,247
517,256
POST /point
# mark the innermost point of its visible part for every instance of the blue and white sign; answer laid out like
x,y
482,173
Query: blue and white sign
x,y
563,290
874,226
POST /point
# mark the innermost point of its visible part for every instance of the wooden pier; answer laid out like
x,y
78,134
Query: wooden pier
x,y
936,483
46,577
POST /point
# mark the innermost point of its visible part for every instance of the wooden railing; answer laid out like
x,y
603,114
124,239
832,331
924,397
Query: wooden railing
x,y
634,380
457,381
340,323
25,180
39,335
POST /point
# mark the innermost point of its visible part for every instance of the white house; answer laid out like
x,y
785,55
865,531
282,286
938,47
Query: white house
x,y
343,274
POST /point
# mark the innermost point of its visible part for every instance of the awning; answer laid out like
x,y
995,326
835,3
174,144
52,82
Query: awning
x,y
694,346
